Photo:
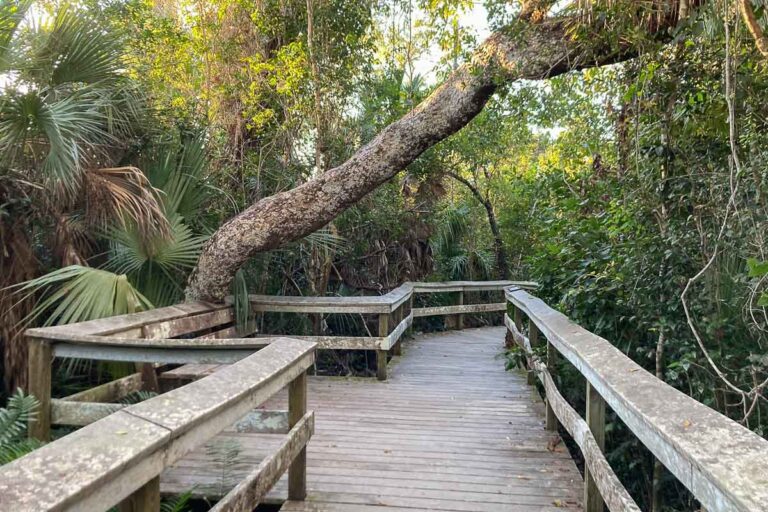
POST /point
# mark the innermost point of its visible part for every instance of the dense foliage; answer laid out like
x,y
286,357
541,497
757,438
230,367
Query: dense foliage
x,y
635,194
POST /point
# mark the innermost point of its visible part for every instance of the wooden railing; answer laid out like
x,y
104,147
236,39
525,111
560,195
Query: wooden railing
x,y
203,335
117,460
722,463
394,310
145,338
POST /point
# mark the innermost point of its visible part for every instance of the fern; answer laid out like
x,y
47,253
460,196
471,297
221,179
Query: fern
x,y
14,418
178,503
225,453
17,449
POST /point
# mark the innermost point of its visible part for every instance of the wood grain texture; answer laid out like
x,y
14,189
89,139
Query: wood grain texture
x,y
459,309
601,485
109,391
681,432
99,465
64,412
39,361
146,499
595,418
449,430
297,408
251,490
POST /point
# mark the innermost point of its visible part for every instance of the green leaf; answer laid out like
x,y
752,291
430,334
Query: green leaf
x,y
15,417
11,15
157,267
76,293
72,48
757,268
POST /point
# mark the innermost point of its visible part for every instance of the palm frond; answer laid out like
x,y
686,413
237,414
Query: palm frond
x,y
324,239
73,48
136,397
72,241
130,252
453,226
15,417
76,293
457,267
66,105
178,169
12,13
481,266
35,123
157,266
124,195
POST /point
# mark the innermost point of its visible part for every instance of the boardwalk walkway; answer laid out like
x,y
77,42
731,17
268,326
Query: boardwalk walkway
x,y
450,430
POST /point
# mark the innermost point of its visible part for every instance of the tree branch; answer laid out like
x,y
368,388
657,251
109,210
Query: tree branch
x,y
748,15
523,51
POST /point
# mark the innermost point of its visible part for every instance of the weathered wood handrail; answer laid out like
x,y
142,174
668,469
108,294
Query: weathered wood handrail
x,y
722,463
395,312
117,460
152,337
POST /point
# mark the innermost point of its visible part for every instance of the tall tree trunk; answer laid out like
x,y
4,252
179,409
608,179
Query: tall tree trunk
x,y
753,25
524,50
502,265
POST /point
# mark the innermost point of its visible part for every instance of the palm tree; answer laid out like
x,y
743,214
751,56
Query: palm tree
x,y
455,260
68,119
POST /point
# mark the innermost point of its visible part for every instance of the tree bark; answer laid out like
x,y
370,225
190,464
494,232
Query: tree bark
x,y
524,50
753,25
502,265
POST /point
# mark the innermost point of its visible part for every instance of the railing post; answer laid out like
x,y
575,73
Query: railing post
x,y
533,338
149,380
381,355
595,417
409,311
398,317
144,499
297,408
551,363
460,316
39,361
518,318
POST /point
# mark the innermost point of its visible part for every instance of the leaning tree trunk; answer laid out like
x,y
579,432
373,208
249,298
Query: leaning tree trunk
x,y
526,50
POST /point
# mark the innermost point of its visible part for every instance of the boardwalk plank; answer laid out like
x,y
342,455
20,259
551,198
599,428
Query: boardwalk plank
x,y
450,430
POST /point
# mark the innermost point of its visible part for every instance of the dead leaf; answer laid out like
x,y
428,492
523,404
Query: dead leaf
x,y
553,442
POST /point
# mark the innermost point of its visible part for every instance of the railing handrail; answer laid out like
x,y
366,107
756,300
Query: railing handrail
x,y
374,303
103,463
721,462
126,329
125,323
204,333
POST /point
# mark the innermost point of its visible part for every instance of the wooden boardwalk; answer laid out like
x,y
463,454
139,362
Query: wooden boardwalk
x,y
450,430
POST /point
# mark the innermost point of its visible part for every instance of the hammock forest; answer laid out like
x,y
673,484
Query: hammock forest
x,y
613,152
